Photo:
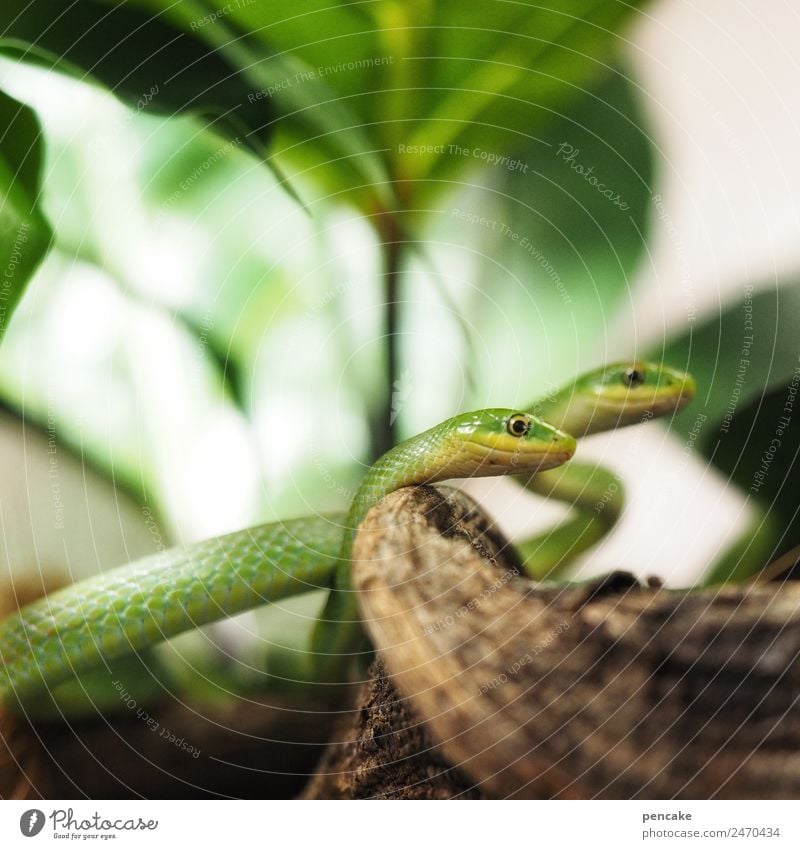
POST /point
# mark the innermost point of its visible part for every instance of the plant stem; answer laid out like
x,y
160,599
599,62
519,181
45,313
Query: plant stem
x,y
383,430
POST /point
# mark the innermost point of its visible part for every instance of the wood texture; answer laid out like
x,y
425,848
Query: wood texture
x,y
612,690
383,751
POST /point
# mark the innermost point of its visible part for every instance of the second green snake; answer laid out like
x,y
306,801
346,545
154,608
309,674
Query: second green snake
x,y
614,396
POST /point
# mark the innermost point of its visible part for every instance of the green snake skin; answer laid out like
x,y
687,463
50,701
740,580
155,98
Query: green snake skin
x,y
114,615
128,609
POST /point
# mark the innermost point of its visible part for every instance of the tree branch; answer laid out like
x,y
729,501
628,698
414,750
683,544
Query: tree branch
x,y
610,689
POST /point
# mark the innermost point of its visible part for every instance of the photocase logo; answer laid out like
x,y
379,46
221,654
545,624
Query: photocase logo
x,y
66,825
31,822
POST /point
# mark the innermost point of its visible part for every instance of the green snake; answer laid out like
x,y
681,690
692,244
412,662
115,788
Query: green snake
x,y
89,625
84,628
614,396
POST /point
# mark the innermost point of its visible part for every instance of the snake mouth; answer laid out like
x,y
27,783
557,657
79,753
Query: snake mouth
x,y
625,405
509,454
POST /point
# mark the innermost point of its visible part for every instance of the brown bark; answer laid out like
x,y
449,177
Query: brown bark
x,y
612,690
385,752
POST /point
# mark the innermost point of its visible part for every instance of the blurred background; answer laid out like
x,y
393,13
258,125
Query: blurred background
x,y
206,344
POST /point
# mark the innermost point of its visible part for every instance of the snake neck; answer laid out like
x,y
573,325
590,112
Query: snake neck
x,y
583,414
571,411
429,457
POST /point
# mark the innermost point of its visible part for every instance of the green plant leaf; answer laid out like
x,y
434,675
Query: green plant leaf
x,y
746,416
736,356
171,58
586,187
141,57
490,88
761,452
363,99
442,80
358,86
24,233
560,229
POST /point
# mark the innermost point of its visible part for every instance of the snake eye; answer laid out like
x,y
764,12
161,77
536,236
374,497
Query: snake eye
x,y
518,425
633,377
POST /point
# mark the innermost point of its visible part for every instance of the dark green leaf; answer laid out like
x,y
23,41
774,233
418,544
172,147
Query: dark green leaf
x,y
736,356
141,57
579,196
24,232
562,226
760,452
494,77
356,92
363,84
746,417
21,143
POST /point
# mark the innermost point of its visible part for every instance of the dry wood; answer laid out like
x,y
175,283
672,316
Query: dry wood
x,y
384,752
610,690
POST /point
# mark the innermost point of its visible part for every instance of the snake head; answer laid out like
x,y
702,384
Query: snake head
x,y
502,441
622,394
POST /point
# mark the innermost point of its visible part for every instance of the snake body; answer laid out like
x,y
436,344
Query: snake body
x,y
128,609
619,395
97,621
614,396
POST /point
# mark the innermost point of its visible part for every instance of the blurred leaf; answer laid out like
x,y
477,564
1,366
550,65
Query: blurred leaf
x,y
321,61
121,379
558,249
21,143
492,87
130,492
361,99
359,88
322,140
456,81
582,190
760,452
580,206
229,368
144,60
24,233
746,417
736,356
171,57
320,136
